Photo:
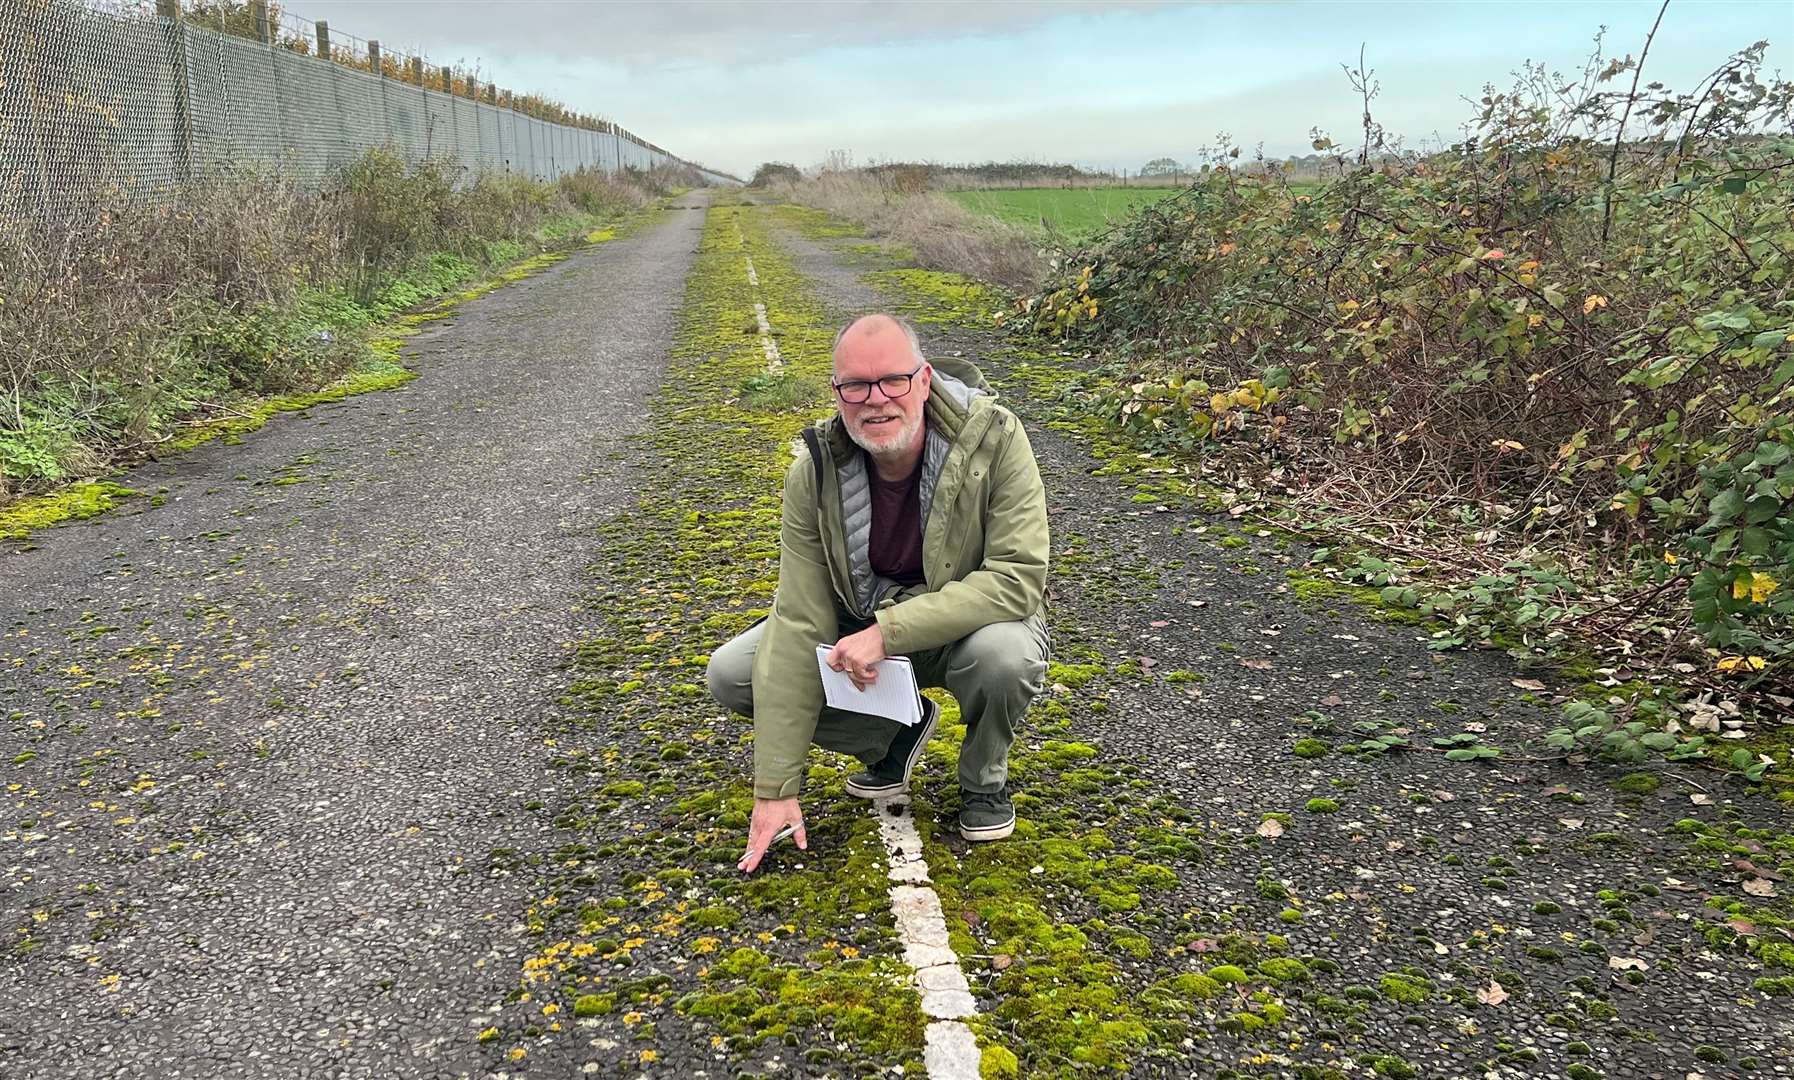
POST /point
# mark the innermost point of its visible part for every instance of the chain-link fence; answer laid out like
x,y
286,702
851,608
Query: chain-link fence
x,y
134,99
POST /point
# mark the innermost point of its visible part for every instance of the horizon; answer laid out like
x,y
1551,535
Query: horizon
x,y
1101,86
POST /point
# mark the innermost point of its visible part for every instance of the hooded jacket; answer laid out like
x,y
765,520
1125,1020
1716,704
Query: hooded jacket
x,y
984,557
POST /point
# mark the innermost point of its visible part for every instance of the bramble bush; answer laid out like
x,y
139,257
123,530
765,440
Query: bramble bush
x,y
1571,335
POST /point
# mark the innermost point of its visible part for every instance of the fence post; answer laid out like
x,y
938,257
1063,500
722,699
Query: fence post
x,y
183,107
417,70
374,60
323,26
259,8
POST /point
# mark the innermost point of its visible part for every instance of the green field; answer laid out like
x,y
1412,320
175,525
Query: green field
x,y
1078,213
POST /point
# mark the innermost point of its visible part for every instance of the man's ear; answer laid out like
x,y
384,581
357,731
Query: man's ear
x,y
927,376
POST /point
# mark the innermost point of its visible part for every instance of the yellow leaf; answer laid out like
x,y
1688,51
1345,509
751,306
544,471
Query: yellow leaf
x,y
1534,321
1349,306
1670,558
1595,300
1761,585
1740,589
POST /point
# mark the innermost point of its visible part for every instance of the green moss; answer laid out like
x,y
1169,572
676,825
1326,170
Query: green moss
x,y
1638,783
1310,748
1394,1067
1284,969
1073,676
1579,1071
594,1004
72,503
1407,989
998,1063
1546,907
1316,590
1321,806
1228,973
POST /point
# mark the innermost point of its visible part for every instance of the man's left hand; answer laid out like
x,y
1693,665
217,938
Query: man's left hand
x,y
856,654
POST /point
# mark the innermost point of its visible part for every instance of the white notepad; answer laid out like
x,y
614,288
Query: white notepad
x,y
894,696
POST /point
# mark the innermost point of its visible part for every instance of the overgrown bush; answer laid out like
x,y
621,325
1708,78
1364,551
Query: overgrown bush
x,y
1571,335
119,323
941,233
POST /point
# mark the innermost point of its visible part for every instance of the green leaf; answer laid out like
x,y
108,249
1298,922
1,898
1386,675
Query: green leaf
x,y
1770,339
1463,754
1726,505
1733,185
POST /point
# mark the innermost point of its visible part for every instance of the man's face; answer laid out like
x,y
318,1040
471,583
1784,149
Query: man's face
x,y
883,426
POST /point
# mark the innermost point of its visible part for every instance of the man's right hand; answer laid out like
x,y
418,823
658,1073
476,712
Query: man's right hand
x,y
771,815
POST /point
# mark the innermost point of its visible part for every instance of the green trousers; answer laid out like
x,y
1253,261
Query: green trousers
x,y
994,673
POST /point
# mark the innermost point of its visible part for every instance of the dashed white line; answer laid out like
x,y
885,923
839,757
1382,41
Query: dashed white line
x,y
950,1051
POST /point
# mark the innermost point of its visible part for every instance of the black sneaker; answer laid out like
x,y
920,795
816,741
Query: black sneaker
x,y
986,816
891,775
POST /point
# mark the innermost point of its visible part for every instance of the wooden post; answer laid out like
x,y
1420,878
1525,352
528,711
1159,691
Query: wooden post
x,y
168,9
259,8
323,39
374,59
448,79
492,93
417,71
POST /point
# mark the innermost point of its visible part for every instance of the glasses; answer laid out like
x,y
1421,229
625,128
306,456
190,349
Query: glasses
x,y
859,391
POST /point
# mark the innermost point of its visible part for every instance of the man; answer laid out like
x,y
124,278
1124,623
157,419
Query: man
x,y
915,526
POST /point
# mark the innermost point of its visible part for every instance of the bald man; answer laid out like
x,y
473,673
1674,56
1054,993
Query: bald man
x,y
914,526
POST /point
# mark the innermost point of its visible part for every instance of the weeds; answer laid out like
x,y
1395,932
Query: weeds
x,y
118,326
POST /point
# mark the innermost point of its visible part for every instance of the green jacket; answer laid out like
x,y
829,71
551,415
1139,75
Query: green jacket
x,y
984,554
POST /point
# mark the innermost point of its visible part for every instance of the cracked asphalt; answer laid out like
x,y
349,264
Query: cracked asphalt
x,y
269,730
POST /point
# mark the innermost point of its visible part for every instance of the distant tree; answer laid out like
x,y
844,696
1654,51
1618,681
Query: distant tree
x,y
1162,166
773,172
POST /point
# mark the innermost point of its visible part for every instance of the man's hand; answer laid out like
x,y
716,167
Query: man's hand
x,y
857,653
770,815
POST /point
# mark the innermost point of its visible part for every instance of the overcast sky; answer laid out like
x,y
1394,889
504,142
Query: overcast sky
x,y
733,83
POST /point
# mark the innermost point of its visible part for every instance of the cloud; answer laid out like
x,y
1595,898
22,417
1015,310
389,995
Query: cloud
x,y
655,35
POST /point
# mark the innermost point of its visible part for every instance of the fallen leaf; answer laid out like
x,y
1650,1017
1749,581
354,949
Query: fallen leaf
x,y
1202,945
1759,887
1570,822
1147,663
1256,665
1555,789
1645,936
1332,699
1742,926
1699,799
1156,623
1753,868
1528,684
1476,726
1491,994
1001,962
1270,828
1442,795
1626,963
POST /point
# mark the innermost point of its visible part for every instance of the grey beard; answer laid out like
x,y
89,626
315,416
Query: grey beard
x,y
894,451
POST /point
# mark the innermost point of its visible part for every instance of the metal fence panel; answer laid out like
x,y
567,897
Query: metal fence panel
x,y
99,96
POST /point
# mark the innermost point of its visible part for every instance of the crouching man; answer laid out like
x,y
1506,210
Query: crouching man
x,y
915,526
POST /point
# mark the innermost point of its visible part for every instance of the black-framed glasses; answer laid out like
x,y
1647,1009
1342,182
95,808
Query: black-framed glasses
x,y
859,391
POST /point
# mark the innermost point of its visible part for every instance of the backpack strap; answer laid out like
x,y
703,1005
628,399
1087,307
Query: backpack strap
x,y
814,442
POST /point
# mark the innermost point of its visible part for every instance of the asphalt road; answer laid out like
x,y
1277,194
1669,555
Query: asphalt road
x,y
280,720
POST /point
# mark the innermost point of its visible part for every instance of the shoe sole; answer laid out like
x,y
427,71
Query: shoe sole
x,y
931,715
988,832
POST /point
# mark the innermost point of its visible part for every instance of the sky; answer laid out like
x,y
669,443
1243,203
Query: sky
x,y
733,83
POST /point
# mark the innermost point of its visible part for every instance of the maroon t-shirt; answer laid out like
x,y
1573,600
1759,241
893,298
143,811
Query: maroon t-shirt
x,y
896,542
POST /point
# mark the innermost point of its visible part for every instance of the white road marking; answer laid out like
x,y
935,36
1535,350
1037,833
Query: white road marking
x,y
951,1051
774,362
